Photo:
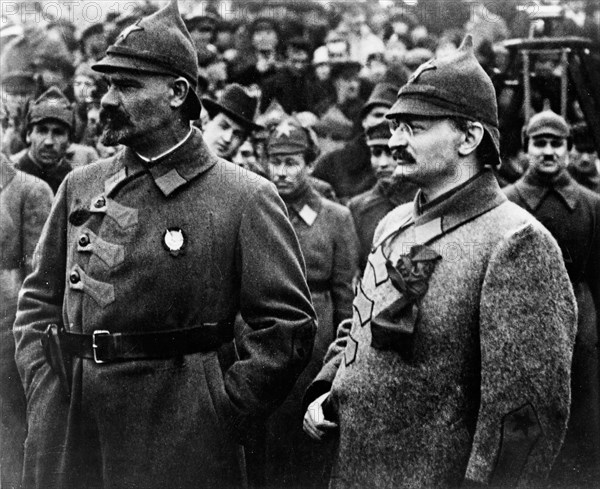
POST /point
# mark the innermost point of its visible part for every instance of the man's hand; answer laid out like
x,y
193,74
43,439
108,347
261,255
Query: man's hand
x,y
315,425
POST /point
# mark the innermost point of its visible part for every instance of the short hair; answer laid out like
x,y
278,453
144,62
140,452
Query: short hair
x,y
486,151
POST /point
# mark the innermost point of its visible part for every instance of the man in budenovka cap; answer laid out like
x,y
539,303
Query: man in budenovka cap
x,y
49,133
144,262
330,247
455,371
231,121
571,213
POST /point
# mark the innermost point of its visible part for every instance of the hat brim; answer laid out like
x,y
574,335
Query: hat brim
x,y
420,107
548,131
112,63
214,108
377,142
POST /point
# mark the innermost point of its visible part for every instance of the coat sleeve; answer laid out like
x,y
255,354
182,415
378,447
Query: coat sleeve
x,y
528,320
36,206
41,296
275,303
345,265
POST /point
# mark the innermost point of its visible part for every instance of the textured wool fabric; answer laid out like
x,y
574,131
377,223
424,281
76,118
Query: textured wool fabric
x,y
572,214
129,248
25,203
484,397
330,249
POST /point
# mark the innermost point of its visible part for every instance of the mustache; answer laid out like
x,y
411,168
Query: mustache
x,y
402,154
114,117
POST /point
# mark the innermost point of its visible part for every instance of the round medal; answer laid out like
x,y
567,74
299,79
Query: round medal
x,y
174,241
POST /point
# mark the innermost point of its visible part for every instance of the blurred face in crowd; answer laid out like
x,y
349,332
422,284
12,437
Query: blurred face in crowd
x,y
136,109
548,154
375,116
338,50
323,70
48,142
347,88
289,172
245,155
585,159
265,45
83,88
329,143
202,35
382,162
94,46
298,60
224,135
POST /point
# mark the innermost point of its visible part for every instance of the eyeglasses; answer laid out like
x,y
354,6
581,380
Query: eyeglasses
x,y
403,127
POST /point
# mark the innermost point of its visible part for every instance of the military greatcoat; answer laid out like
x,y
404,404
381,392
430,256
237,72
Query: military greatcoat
x,y
25,203
129,247
476,386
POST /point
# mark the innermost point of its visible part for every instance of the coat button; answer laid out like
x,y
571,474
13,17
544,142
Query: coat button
x,y
101,202
84,240
74,277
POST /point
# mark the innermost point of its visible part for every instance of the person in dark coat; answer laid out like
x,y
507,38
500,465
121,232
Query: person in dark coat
x,y
349,169
330,247
371,206
49,128
455,371
584,163
572,214
25,203
144,262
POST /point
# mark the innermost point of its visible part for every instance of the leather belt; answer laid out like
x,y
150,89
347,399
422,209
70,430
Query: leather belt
x,y
103,346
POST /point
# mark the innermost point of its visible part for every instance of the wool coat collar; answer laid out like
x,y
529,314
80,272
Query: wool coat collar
x,y
533,190
171,172
470,200
307,205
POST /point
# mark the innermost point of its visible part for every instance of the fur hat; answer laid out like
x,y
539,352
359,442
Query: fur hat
x,y
159,43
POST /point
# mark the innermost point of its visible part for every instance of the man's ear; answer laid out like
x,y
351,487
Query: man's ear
x,y
472,138
180,88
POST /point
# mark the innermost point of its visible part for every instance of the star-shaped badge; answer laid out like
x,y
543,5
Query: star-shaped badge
x,y
429,65
128,30
174,241
285,128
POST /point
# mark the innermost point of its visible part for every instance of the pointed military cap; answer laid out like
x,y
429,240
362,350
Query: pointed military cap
x,y
452,86
159,43
289,137
51,105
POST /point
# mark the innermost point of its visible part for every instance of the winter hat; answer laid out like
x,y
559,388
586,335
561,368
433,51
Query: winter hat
x,y
53,105
384,94
289,137
378,135
334,124
159,43
452,86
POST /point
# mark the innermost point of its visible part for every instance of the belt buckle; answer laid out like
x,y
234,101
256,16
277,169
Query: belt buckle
x,y
95,346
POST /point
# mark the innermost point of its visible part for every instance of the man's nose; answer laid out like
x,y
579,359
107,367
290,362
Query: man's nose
x,y
227,135
398,140
109,99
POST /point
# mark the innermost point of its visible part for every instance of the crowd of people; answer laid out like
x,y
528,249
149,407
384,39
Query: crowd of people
x,y
292,250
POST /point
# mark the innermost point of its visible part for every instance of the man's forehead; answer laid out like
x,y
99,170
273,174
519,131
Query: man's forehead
x,y
222,117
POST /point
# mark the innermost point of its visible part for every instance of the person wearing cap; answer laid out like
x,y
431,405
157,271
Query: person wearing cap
x,y
371,206
571,213
49,131
25,203
455,370
584,163
349,169
144,263
231,121
330,247
92,43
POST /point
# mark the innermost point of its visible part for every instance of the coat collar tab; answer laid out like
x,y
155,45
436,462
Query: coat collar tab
x,y
533,190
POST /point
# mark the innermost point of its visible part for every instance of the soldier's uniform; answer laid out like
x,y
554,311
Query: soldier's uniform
x,y
25,203
571,213
145,266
